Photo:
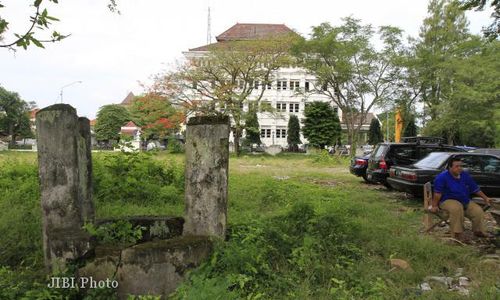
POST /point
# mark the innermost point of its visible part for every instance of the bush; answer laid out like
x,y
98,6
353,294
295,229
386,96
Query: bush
x,y
136,178
280,257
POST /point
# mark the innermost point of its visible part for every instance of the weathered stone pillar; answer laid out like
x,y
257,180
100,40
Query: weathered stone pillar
x,y
207,159
85,170
62,149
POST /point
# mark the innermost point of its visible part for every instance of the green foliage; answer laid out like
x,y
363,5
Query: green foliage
x,y
110,118
174,146
252,128
14,118
375,135
273,258
410,128
20,214
136,178
321,124
350,71
293,137
120,231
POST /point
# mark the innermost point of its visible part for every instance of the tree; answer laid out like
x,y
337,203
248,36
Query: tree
x,y
156,116
491,32
321,124
350,71
293,137
410,127
233,74
14,116
252,128
375,135
39,21
110,118
441,35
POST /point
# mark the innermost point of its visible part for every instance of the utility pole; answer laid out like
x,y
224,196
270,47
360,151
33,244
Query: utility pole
x,y
61,93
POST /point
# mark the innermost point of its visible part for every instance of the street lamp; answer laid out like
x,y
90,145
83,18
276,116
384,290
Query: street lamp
x,y
61,93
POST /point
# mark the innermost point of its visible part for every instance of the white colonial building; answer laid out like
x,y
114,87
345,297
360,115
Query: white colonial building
x,y
292,87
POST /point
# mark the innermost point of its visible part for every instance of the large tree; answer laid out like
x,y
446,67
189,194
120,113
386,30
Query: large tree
x,y
233,74
14,116
110,118
350,71
321,124
156,116
459,76
493,30
293,137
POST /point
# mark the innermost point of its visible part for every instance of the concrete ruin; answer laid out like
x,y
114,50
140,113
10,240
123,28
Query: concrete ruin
x,y
157,263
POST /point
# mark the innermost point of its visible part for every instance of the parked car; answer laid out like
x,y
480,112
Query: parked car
x,y
358,166
491,151
387,155
484,168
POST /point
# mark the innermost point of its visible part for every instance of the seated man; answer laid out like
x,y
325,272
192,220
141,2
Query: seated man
x,y
452,190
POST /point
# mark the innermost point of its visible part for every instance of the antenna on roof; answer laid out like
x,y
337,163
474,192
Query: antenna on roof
x,y
209,34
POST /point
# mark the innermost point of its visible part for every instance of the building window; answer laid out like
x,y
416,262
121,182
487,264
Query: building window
x,y
324,87
241,83
281,85
306,86
336,110
294,85
280,133
265,133
293,107
281,107
268,85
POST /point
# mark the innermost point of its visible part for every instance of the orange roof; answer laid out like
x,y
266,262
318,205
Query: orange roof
x,y
130,124
247,31
92,122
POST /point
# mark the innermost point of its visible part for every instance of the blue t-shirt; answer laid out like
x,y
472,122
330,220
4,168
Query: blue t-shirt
x,y
453,188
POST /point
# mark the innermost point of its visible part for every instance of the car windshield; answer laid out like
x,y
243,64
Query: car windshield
x,y
433,160
379,152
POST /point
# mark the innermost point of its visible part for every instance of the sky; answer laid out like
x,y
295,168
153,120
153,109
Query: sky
x,y
109,55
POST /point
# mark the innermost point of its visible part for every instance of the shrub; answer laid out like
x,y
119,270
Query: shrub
x,y
136,178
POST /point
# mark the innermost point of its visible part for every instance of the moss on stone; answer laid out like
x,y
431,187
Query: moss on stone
x,y
58,107
208,120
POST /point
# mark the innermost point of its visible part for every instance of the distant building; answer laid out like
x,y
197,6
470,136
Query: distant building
x,y
134,132
282,93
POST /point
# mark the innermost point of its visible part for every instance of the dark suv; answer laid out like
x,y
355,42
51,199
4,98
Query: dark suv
x,y
409,151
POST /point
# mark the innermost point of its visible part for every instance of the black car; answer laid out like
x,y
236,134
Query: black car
x,y
387,155
491,151
358,166
484,168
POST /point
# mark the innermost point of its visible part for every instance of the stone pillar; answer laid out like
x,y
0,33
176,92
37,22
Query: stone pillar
x,y
63,188
85,170
207,159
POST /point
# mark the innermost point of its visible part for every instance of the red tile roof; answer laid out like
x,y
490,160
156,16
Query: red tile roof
x,y
130,124
245,32
92,122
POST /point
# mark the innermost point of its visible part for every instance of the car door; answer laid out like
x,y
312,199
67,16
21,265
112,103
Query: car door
x,y
491,175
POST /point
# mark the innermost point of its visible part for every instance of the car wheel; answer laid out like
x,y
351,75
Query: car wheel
x,y
366,179
386,184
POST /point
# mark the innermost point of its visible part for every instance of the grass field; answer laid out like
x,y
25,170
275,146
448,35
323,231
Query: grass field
x,y
300,227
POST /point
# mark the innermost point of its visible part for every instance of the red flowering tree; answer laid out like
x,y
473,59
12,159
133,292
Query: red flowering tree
x,y
156,116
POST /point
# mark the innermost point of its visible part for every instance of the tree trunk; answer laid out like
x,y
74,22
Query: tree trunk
x,y
237,135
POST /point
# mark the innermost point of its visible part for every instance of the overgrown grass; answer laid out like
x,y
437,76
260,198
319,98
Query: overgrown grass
x,y
300,226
